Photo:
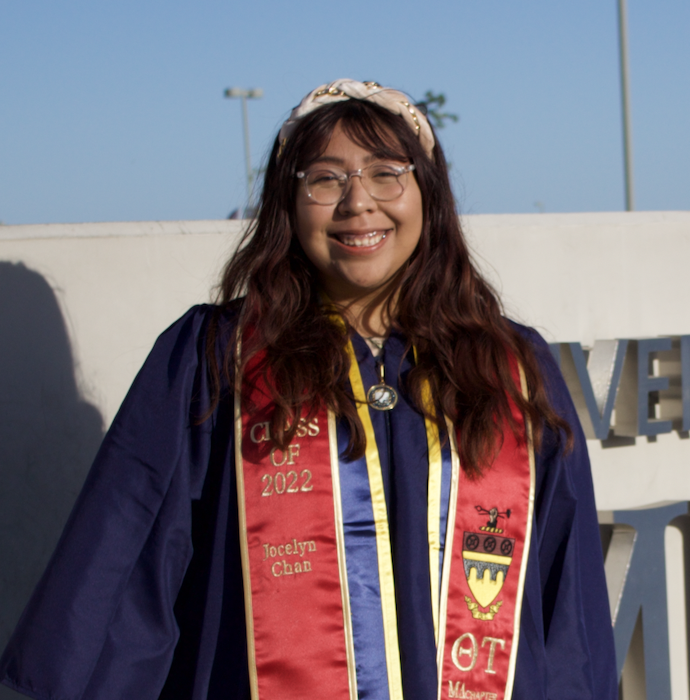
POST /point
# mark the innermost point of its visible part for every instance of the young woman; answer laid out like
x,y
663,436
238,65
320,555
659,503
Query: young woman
x,y
352,477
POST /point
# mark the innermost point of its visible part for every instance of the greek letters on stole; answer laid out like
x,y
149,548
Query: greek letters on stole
x,y
320,612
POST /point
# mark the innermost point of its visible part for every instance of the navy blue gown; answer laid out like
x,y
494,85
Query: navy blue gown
x,y
143,596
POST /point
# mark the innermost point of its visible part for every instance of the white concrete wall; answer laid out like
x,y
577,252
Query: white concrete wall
x,y
576,277
119,285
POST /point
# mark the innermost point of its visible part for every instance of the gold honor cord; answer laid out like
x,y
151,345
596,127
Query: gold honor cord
x,y
244,547
434,506
342,564
383,543
448,549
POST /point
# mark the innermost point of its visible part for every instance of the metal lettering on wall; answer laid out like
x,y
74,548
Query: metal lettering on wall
x,y
644,383
622,389
636,581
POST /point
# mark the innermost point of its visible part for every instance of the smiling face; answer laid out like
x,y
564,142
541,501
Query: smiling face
x,y
358,245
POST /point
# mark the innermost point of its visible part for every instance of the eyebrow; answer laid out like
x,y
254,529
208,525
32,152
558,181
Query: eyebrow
x,y
341,161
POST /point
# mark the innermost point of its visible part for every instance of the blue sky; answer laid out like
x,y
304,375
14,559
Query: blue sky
x,y
115,110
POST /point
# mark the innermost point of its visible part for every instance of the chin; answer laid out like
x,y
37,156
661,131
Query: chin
x,y
368,286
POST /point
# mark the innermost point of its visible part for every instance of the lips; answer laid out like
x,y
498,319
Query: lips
x,y
364,239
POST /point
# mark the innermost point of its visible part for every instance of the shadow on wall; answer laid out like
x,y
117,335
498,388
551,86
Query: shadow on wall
x,y
48,437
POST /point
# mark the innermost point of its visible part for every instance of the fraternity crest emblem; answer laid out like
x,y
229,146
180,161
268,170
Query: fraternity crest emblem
x,y
487,556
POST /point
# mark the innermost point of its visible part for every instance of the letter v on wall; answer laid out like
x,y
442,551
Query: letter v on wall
x,y
593,381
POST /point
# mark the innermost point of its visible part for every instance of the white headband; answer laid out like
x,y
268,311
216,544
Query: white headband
x,y
345,89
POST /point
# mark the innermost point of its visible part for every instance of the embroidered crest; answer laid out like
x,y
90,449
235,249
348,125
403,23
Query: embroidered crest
x,y
487,556
494,514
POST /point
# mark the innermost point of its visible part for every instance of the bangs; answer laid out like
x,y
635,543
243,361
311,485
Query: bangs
x,y
383,134
375,137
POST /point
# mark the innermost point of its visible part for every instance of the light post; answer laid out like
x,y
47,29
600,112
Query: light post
x,y
243,94
625,104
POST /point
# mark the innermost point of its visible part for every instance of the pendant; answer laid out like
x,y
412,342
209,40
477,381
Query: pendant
x,y
382,397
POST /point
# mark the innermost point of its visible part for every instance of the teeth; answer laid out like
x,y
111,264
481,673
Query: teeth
x,y
366,241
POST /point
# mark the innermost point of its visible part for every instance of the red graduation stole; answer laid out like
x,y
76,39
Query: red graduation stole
x,y
297,600
486,571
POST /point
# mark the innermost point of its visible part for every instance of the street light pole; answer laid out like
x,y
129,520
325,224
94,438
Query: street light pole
x,y
243,94
625,105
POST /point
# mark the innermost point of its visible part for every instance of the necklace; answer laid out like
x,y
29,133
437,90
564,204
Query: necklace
x,y
375,344
381,396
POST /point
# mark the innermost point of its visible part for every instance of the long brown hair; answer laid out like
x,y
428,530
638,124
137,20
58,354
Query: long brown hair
x,y
444,307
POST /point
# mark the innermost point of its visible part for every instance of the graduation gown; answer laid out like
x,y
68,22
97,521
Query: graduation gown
x,y
143,597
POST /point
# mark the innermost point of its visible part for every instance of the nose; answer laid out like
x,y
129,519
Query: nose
x,y
356,199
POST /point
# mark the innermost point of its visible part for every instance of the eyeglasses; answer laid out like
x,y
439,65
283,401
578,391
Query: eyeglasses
x,y
330,185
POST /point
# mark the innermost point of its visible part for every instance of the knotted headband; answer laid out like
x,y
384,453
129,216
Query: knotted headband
x,y
345,89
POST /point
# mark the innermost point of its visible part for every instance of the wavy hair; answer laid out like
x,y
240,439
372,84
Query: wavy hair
x,y
466,349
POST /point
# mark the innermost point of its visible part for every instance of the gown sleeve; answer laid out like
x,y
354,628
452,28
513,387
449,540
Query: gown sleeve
x,y
100,623
566,619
